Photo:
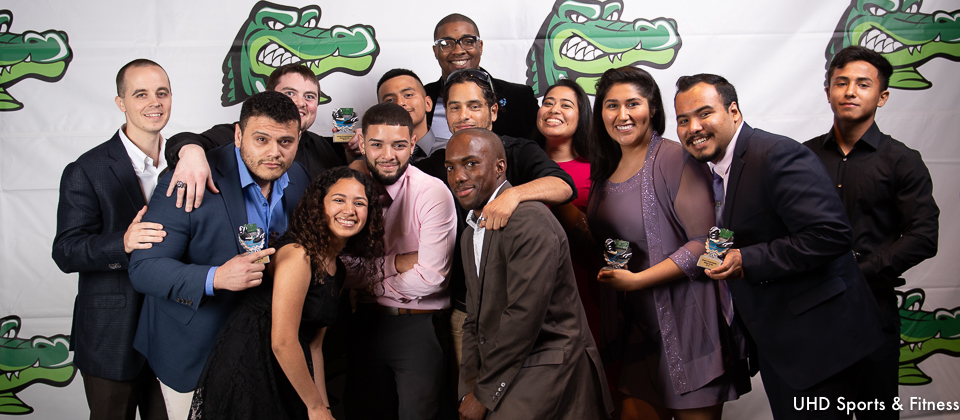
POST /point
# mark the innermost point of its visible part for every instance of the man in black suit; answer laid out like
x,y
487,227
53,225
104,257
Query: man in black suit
x,y
103,196
795,284
457,45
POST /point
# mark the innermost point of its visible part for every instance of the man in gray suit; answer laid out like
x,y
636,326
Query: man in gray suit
x,y
527,350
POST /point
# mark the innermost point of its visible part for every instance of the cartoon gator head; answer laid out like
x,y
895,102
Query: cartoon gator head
x,y
905,36
581,39
37,55
924,334
275,35
23,362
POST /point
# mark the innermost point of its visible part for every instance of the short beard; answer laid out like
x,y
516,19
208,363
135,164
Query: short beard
x,y
384,179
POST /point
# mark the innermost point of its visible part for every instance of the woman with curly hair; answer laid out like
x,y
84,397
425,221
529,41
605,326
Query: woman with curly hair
x,y
268,361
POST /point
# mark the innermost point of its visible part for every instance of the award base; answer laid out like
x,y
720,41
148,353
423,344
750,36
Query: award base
x,y
709,262
342,138
263,260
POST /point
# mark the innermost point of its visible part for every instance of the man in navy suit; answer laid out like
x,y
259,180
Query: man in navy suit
x,y
103,195
191,279
795,284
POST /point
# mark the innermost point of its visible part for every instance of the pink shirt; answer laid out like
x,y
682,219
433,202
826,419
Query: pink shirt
x,y
422,219
579,170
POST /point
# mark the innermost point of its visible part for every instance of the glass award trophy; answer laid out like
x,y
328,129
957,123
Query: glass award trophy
x,y
617,253
344,120
253,239
718,242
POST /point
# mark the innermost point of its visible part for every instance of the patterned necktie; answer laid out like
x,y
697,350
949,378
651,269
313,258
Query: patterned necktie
x,y
718,198
418,153
726,298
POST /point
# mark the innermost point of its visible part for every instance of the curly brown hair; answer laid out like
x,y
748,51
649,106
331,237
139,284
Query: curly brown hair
x,y
309,225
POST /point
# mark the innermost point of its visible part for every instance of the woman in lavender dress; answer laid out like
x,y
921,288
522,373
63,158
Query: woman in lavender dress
x,y
645,190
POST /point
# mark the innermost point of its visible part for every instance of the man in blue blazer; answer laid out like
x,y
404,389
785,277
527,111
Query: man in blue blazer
x,y
191,279
795,284
103,195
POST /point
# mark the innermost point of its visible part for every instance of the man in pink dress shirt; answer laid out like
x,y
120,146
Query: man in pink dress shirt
x,y
395,361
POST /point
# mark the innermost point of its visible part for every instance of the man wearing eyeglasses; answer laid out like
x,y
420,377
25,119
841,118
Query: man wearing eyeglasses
x,y
457,45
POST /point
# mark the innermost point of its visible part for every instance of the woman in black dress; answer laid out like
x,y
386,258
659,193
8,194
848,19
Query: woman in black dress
x,y
267,362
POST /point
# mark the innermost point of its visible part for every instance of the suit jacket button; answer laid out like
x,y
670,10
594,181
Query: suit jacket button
x,y
483,340
503,384
114,266
497,393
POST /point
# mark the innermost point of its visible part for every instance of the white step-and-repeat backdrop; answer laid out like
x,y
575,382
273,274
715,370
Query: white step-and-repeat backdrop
x,y
58,60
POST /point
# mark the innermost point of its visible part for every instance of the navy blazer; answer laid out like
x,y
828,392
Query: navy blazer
x,y
803,300
179,325
100,195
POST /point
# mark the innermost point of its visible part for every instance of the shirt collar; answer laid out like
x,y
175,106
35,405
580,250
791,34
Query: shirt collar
x,y
471,217
427,141
139,159
394,189
722,167
246,179
871,138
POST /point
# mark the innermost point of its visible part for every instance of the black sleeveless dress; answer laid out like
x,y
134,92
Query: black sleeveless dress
x,y
242,379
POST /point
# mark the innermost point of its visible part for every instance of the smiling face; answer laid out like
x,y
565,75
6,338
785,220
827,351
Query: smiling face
x,y
146,101
457,58
466,108
854,92
304,93
346,208
473,170
387,149
626,115
705,127
558,116
267,148
408,93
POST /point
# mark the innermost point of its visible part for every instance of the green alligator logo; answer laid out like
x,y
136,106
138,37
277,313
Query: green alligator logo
x,y
581,39
23,362
924,334
37,55
904,35
275,35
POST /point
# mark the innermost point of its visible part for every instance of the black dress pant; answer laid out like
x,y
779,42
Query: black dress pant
x,y
109,399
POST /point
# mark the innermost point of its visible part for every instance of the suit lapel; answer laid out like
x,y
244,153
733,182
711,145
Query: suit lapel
x,y
227,179
736,167
123,169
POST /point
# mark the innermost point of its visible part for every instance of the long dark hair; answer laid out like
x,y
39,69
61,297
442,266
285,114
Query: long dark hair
x,y
605,153
309,225
584,115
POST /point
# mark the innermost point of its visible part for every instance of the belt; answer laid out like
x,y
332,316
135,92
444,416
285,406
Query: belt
x,y
389,310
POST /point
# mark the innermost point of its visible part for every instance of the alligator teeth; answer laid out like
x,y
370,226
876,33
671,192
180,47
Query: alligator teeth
x,y
918,49
336,53
9,334
270,48
938,335
9,376
16,374
620,56
937,39
36,364
639,46
912,345
910,49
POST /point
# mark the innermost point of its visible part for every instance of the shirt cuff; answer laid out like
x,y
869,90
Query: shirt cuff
x,y
208,287
390,266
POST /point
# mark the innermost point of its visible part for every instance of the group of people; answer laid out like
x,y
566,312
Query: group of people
x,y
455,246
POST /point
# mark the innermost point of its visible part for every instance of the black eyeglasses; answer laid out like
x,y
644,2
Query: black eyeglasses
x,y
467,42
480,75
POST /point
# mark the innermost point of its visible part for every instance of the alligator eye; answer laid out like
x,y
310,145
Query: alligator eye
x,y
275,24
876,11
614,16
578,18
913,9
312,23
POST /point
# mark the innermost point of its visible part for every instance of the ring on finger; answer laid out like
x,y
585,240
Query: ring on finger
x,y
181,185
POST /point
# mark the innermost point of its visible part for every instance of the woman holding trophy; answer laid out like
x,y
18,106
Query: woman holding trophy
x,y
647,196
